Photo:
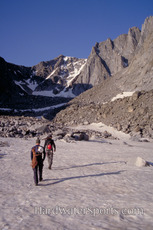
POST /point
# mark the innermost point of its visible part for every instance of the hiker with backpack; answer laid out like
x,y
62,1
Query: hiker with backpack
x,y
37,161
49,147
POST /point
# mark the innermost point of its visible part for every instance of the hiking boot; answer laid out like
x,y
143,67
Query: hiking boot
x,y
40,179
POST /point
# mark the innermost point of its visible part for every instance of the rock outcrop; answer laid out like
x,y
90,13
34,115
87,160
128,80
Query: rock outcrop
x,y
30,127
133,115
109,57
140,162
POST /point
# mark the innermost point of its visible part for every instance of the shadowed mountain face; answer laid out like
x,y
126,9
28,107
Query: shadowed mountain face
x,y
113,66
47,84
52,78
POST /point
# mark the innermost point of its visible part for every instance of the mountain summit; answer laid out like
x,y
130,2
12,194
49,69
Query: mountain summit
x,y
59,75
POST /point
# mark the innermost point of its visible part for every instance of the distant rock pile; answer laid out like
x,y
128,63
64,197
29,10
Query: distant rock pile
x,y
30,127
132,115
22,127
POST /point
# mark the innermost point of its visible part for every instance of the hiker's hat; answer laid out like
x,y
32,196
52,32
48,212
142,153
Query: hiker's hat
x,y
37,141
49,136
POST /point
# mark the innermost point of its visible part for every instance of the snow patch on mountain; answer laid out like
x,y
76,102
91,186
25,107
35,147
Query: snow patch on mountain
x,y
35,110
52,73
20,84
49,93
78,66
32,84
122,95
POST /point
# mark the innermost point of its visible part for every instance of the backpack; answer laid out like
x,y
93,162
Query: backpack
x,y
40,149
49,146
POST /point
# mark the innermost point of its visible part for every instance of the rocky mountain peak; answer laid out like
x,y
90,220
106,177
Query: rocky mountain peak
x,y
133,38
146,29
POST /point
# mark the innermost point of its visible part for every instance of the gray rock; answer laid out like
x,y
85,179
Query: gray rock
x,y
44,129
79,136
140,162
4,144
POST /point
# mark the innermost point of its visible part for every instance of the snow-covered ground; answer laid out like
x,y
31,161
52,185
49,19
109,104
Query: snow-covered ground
x,y
93,185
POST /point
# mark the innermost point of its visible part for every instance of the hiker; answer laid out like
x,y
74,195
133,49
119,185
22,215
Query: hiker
x,y
37,161
49,146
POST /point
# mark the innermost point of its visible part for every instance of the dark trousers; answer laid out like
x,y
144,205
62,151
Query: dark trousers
x,y
39,167
50,158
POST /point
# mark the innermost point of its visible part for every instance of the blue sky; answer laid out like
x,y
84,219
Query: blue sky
x,y
40,30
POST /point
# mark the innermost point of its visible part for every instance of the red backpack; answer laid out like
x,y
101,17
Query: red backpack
x,y
49,146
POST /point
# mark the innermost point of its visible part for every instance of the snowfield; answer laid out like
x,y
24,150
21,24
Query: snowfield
x,y
93,185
